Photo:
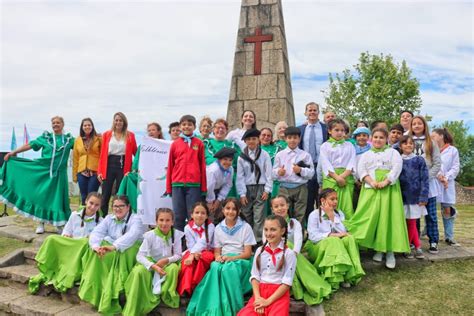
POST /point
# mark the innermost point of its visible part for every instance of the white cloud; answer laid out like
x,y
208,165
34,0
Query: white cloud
x,y
157,60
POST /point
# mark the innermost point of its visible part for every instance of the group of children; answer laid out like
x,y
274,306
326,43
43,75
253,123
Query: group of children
x,y
221,234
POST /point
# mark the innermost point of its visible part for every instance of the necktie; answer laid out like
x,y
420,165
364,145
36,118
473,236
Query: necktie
x,y
273,253
312,143
199,230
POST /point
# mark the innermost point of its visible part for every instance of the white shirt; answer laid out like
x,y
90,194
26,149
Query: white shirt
x,y
334,156
320,227
287,158
73,226
269,272
246,177
217,181
111,231
234,243
157,248
389,159
295,235
196,243
116,147
236,136
450,169
318,130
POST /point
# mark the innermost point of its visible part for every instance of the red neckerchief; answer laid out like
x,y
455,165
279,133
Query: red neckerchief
x,y
198,230
273,253
444,147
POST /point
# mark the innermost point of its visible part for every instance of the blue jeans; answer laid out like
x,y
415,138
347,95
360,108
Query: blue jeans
x,y
87,185
448,222
183,199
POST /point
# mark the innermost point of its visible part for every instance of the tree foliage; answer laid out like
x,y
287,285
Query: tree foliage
x,y
378,89
465,145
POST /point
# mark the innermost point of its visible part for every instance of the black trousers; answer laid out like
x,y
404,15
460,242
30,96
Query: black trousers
x,y
114,176
313,194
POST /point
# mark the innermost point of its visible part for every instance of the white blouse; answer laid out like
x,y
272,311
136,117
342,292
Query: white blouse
x,y
111,230
155,247
450,169
319,227
217,181
269,271
295,235
73,226
389,159
234,243
337,156
196,243
116,147
236,136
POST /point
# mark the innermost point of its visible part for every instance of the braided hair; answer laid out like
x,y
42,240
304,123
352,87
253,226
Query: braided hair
x,y
206,222
125,200
165,210
97,215
282,223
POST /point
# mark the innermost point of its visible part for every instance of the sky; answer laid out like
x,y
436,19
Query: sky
x,y
158,60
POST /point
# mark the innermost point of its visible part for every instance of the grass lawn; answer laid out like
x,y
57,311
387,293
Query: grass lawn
x,y
435,289
8,244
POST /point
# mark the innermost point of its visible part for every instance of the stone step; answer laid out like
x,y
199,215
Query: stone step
x,y
19,273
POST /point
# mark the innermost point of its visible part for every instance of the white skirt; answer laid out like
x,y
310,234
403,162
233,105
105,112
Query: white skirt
x,y
414,211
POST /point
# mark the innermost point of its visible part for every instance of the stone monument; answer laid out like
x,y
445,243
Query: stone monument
x,y
261,79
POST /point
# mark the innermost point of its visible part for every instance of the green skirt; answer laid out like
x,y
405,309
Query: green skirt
x,y
129,187
221,291
104,278
138,290
379,222
344,194
308,285
26,186
336,259
59,261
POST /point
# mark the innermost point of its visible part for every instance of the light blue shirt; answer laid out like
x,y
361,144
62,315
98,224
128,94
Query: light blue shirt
x,y
318,130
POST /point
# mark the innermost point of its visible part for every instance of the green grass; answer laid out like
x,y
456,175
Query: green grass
x,y
8,244
433,289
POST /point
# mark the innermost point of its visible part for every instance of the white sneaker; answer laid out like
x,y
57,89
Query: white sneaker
x,y
390,261
378,257
40,228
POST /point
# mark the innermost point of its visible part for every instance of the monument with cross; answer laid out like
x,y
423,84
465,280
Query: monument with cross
x,y
261,79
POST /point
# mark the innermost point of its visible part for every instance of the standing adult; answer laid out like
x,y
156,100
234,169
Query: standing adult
x,y
213,145
313,135
405,120
118,147
205,128
248,121
329,116
280,129
39,188
85,159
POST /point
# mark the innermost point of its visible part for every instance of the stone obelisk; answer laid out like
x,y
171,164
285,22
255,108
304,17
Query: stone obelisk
x,y
261,79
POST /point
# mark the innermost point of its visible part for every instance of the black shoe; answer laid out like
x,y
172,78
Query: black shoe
x,y
433,248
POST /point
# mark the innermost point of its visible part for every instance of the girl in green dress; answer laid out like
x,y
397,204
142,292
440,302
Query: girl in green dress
x,y
114,245
379,221
308,285
59,259
155,277
39,188
330,247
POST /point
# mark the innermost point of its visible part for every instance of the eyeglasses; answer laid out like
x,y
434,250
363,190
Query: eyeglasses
x,y
119,206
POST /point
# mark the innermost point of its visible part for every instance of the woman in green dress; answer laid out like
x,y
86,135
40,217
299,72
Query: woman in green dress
x,y
39,188
205,128
129,184
280,129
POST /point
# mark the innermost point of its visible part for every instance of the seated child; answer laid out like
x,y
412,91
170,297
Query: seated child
x,y
59,259
155,276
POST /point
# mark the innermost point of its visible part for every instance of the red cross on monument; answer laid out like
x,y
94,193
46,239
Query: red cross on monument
x,y
258,39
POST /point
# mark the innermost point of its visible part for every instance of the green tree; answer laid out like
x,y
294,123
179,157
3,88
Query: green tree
x,y
465,145
379,89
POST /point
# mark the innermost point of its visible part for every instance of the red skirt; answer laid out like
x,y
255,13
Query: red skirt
x,y
190,276
279,308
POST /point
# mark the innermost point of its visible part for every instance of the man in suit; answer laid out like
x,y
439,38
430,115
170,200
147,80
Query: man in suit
x,y
313,134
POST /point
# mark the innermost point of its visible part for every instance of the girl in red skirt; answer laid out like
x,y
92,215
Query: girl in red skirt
x,y
197,258
272,272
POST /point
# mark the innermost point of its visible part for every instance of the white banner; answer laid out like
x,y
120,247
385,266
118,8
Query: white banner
x,y
152,168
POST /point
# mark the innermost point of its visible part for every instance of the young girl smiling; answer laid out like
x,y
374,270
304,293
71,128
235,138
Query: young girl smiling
x,y
197,259
155,276
222,290
272,273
